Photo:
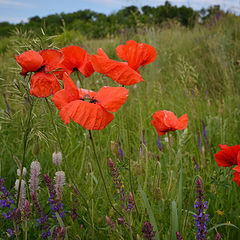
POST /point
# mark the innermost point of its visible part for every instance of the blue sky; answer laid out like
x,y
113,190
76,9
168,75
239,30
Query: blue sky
x,y
15,11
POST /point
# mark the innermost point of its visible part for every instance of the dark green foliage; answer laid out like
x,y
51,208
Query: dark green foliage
x,y
98,25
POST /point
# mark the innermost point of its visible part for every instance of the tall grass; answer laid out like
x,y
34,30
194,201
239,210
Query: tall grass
x,y
196,72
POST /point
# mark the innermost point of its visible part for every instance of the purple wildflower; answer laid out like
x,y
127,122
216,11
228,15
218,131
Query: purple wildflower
x,y
5,199
117,180
55,204
26,210
75,204
131,202
147,231
59,233
144,141
199,141
119,153
110,222
196,163
42,221
200,218
218,236
179,236
205,133
159,144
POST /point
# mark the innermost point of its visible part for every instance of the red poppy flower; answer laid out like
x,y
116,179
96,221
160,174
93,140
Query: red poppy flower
x,y
118,71
228,156
87,108
44,84
30,61
165,121
136,54
76,58
45,60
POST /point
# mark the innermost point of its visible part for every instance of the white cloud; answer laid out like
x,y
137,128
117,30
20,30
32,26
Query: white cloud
x,y
16,4
13,19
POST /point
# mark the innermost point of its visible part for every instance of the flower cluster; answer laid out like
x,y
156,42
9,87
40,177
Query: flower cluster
x,y
6,201
200,218
147,231
43,220
118,182
55,204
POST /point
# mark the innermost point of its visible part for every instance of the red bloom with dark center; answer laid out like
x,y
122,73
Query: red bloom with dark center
x,y
118,71
136,54
76,58
45,60
165,121
44,84
228,156
87,108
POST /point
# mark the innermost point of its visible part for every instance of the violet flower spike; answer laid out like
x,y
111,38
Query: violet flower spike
x,y
6,201
147,231
160,147
55,204
117,181
199,142
179,236
200,218
42,221
218,236
119,154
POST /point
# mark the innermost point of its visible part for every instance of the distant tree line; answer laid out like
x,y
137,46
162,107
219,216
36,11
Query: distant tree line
x,y
98,25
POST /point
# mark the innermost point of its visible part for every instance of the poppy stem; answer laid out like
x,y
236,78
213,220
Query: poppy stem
x,y
66,164
25,140
80,79
101,173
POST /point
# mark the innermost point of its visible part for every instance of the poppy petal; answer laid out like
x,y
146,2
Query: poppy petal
x,y
30,61
137,54
228,156
158,123
70,88
222,147
88,115
236,178
44,84
118,71
77,58
112,98
52,59
182,122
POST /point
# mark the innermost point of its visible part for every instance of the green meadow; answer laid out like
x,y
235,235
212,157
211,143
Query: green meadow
x,y
197,72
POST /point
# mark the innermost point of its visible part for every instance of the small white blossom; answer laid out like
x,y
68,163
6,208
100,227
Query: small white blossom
x,y
57,158
34,176
59,182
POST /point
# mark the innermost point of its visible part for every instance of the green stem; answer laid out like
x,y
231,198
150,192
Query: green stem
x,y
79,78
101,173
66,164
25,138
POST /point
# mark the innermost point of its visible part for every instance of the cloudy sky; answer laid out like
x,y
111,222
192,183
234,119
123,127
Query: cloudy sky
x,y
15,11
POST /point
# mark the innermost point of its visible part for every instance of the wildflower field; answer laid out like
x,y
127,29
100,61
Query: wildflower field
x,y
118,138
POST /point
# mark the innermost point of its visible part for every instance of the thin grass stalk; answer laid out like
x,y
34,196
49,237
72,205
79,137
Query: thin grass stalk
x,y
101,173
25,139
79,78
